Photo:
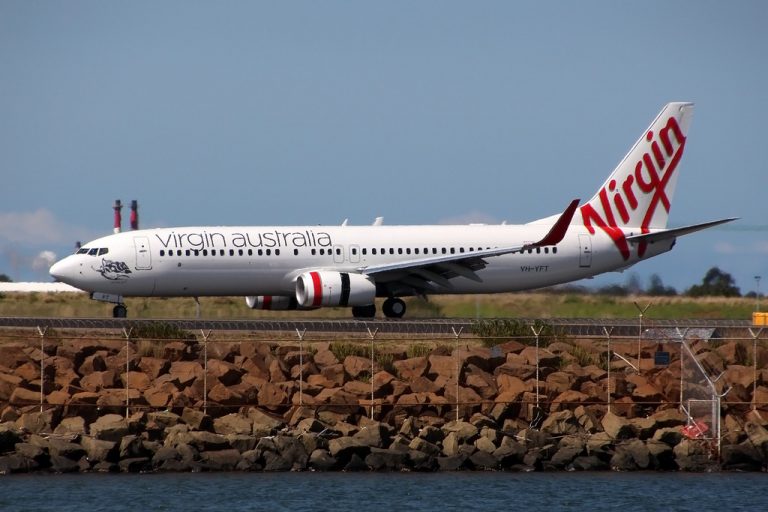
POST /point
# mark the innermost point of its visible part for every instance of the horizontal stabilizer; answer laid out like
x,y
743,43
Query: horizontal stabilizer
x,y
676,232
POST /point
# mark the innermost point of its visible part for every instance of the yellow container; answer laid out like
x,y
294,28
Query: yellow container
x,y
759,318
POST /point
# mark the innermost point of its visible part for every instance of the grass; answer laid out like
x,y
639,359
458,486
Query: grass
x,y
508,305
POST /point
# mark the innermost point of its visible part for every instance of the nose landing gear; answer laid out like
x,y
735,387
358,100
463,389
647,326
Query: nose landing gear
x,y
119,311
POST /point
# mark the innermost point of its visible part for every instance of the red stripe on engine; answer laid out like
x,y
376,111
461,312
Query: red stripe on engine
x,y
318,289
267,303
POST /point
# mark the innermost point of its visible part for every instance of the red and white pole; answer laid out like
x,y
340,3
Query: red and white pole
x,y
118,216
134,214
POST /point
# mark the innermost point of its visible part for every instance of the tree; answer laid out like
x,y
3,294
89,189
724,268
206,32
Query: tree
x,y
5,279
633,285
656,287
715,282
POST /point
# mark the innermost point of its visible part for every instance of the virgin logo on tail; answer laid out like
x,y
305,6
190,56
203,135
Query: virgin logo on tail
x,y
641,190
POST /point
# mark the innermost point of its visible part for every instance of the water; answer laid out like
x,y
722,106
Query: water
x,y
529,492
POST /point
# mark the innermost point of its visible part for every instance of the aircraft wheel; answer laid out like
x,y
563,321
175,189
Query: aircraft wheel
x,y
394,307
120,311
364,311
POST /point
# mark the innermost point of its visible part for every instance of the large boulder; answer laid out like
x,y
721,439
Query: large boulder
x,y
410,369
110,427
8,383
98,450
98,380
233,424
617,427
693,455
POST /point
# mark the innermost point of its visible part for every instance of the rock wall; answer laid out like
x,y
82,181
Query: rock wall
x,y
271,407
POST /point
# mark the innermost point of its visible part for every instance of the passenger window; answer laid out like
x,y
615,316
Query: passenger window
x,y
453,251
162,252
354,252
250,252
239,252
445,251
197,252
269,252
338,252
295,252
461,249
554,250
365,251
187,252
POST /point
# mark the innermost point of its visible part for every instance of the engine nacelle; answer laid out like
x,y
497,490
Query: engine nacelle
x,y
271,302
315,289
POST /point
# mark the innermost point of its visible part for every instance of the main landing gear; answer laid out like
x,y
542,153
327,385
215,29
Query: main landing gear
x,y
393,308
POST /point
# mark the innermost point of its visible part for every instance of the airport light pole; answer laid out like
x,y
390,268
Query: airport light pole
x,y
757,293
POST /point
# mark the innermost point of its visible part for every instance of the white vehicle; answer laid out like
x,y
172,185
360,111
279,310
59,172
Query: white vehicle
x,y
307,267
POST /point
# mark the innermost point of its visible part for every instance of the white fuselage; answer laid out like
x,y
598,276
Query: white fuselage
x,y
228,261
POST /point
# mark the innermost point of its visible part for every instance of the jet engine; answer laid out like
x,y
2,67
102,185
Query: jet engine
x,y
271,302
314,289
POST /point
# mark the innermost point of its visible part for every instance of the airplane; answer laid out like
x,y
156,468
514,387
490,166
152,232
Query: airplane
x,y
308,267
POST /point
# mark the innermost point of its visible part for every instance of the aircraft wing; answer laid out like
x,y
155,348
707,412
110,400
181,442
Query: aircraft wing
x,y
433,273
675,232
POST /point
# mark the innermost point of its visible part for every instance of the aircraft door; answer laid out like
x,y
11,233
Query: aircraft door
x,y
338,254
143,255
585,251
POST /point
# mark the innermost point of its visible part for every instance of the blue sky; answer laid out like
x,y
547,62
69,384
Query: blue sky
x,y
251,113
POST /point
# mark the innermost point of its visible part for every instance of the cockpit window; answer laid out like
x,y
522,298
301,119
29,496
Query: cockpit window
x,y
96,251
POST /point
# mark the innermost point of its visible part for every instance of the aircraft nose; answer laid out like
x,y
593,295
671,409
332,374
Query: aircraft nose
x,y
60,270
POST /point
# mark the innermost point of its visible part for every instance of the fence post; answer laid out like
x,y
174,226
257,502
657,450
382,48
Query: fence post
x,y
206,336
536,333
754,364
42,332
301,334
127,333
640,330
456,335
609,358
372,335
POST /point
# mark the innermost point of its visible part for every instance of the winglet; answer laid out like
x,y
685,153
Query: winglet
x,y
557,233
